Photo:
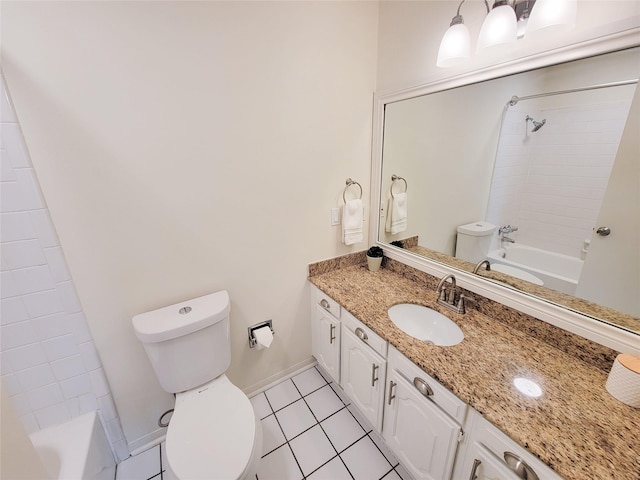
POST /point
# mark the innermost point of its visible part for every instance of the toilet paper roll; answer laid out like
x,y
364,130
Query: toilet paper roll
x,y
624,380
263,336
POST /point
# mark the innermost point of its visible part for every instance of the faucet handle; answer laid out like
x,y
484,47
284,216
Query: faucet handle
x,y
460,307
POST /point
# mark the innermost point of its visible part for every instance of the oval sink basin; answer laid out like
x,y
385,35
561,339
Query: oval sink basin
x,y
425,324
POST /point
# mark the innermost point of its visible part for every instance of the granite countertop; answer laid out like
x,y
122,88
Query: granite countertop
x,y
576,427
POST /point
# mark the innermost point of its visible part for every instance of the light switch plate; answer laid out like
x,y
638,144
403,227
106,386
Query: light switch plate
x,y
335,216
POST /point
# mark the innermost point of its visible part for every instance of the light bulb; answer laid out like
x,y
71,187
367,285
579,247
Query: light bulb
x,y
552,13
499,27
455,46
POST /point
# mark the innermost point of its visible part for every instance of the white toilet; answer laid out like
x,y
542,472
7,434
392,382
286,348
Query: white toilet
x,y
214,432
474,240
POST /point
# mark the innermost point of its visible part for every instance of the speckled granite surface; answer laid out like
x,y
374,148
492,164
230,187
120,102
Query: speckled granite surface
x,y
575,427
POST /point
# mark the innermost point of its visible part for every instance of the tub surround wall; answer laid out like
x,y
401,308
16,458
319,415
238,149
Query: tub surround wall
x,y
50,367
576,427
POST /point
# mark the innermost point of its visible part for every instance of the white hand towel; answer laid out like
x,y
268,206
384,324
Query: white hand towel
x,y
352,221
396,221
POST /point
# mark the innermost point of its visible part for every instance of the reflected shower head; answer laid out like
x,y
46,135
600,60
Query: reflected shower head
x,y
536,125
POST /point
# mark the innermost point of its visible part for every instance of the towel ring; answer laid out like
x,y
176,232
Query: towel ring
x,y
395,177
350,182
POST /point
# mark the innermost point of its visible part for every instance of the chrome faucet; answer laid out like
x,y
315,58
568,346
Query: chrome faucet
x,y
443,298
502,231
507,229
480,264
452,300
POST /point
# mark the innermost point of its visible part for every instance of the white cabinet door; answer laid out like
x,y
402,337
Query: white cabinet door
x,y
423,437
325,341
363,376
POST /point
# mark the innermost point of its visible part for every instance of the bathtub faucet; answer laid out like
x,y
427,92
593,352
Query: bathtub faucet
x,y
504,238
507,229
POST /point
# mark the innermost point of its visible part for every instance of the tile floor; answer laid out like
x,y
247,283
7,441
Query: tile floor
x,y
310,432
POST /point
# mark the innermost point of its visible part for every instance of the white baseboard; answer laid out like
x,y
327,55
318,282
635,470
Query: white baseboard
x,y
150,440
269,382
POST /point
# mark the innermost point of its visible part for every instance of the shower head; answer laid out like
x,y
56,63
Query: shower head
x,y
536,125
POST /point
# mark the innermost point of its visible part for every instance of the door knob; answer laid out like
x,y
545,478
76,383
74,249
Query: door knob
x,y
603,231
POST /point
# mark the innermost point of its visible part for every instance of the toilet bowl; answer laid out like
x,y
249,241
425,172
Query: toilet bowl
x,y
213,432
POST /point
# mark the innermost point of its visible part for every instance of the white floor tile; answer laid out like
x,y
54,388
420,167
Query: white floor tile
x,y
261,406
279,465
364,423
282,395
380,443
312,449
324,402
334,470
342,429
295,419
392,475
340,393
364,460
308,381
272,436
142,466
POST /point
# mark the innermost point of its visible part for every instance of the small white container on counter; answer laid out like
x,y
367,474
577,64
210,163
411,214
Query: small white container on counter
x,y
624,380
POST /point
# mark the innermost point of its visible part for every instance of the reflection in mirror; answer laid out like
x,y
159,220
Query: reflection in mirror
x,y
523,170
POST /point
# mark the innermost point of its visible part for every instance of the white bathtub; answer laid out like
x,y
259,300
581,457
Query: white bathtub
x,y
557,271
76,450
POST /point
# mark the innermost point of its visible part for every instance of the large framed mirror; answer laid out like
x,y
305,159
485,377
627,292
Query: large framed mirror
x,y
536,170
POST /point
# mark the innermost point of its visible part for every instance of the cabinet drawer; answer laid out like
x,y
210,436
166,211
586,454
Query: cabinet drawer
x,y
368,336
326,302
442,397
500,444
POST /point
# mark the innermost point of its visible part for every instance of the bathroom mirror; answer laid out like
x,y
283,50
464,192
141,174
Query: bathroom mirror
x,y
541,150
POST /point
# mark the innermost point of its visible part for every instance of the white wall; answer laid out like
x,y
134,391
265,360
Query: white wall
x,y
188,147
51,370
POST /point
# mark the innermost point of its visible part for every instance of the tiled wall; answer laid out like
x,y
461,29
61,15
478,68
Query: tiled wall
x,y
50,366
551,183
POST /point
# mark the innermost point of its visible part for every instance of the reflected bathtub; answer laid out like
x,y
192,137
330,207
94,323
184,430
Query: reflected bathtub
x,y
76,450
558,272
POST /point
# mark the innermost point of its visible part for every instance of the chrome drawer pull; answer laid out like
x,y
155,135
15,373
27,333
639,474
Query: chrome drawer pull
x,y
324,304
374,378
520,467
422,387
332,330
392,385
361,334
476,464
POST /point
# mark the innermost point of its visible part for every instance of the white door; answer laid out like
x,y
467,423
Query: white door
x,y
423,437
483,465
325,342
610,272
363,376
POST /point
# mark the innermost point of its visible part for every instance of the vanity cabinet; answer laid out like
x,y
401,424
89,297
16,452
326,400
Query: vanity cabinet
x,y
422,420
491,454
326,332
363,368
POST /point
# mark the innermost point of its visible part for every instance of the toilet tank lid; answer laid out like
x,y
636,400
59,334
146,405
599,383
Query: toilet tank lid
x,y
477,229
182,318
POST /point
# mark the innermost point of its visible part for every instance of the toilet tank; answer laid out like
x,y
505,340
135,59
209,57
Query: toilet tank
x,y
474,240
188,343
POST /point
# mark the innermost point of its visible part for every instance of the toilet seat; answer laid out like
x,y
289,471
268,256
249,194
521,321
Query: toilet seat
x,y
212,433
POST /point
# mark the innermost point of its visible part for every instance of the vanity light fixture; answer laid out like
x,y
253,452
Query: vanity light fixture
x,y
505,22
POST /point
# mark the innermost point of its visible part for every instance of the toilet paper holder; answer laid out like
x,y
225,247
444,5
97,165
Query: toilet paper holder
x,y
252,339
